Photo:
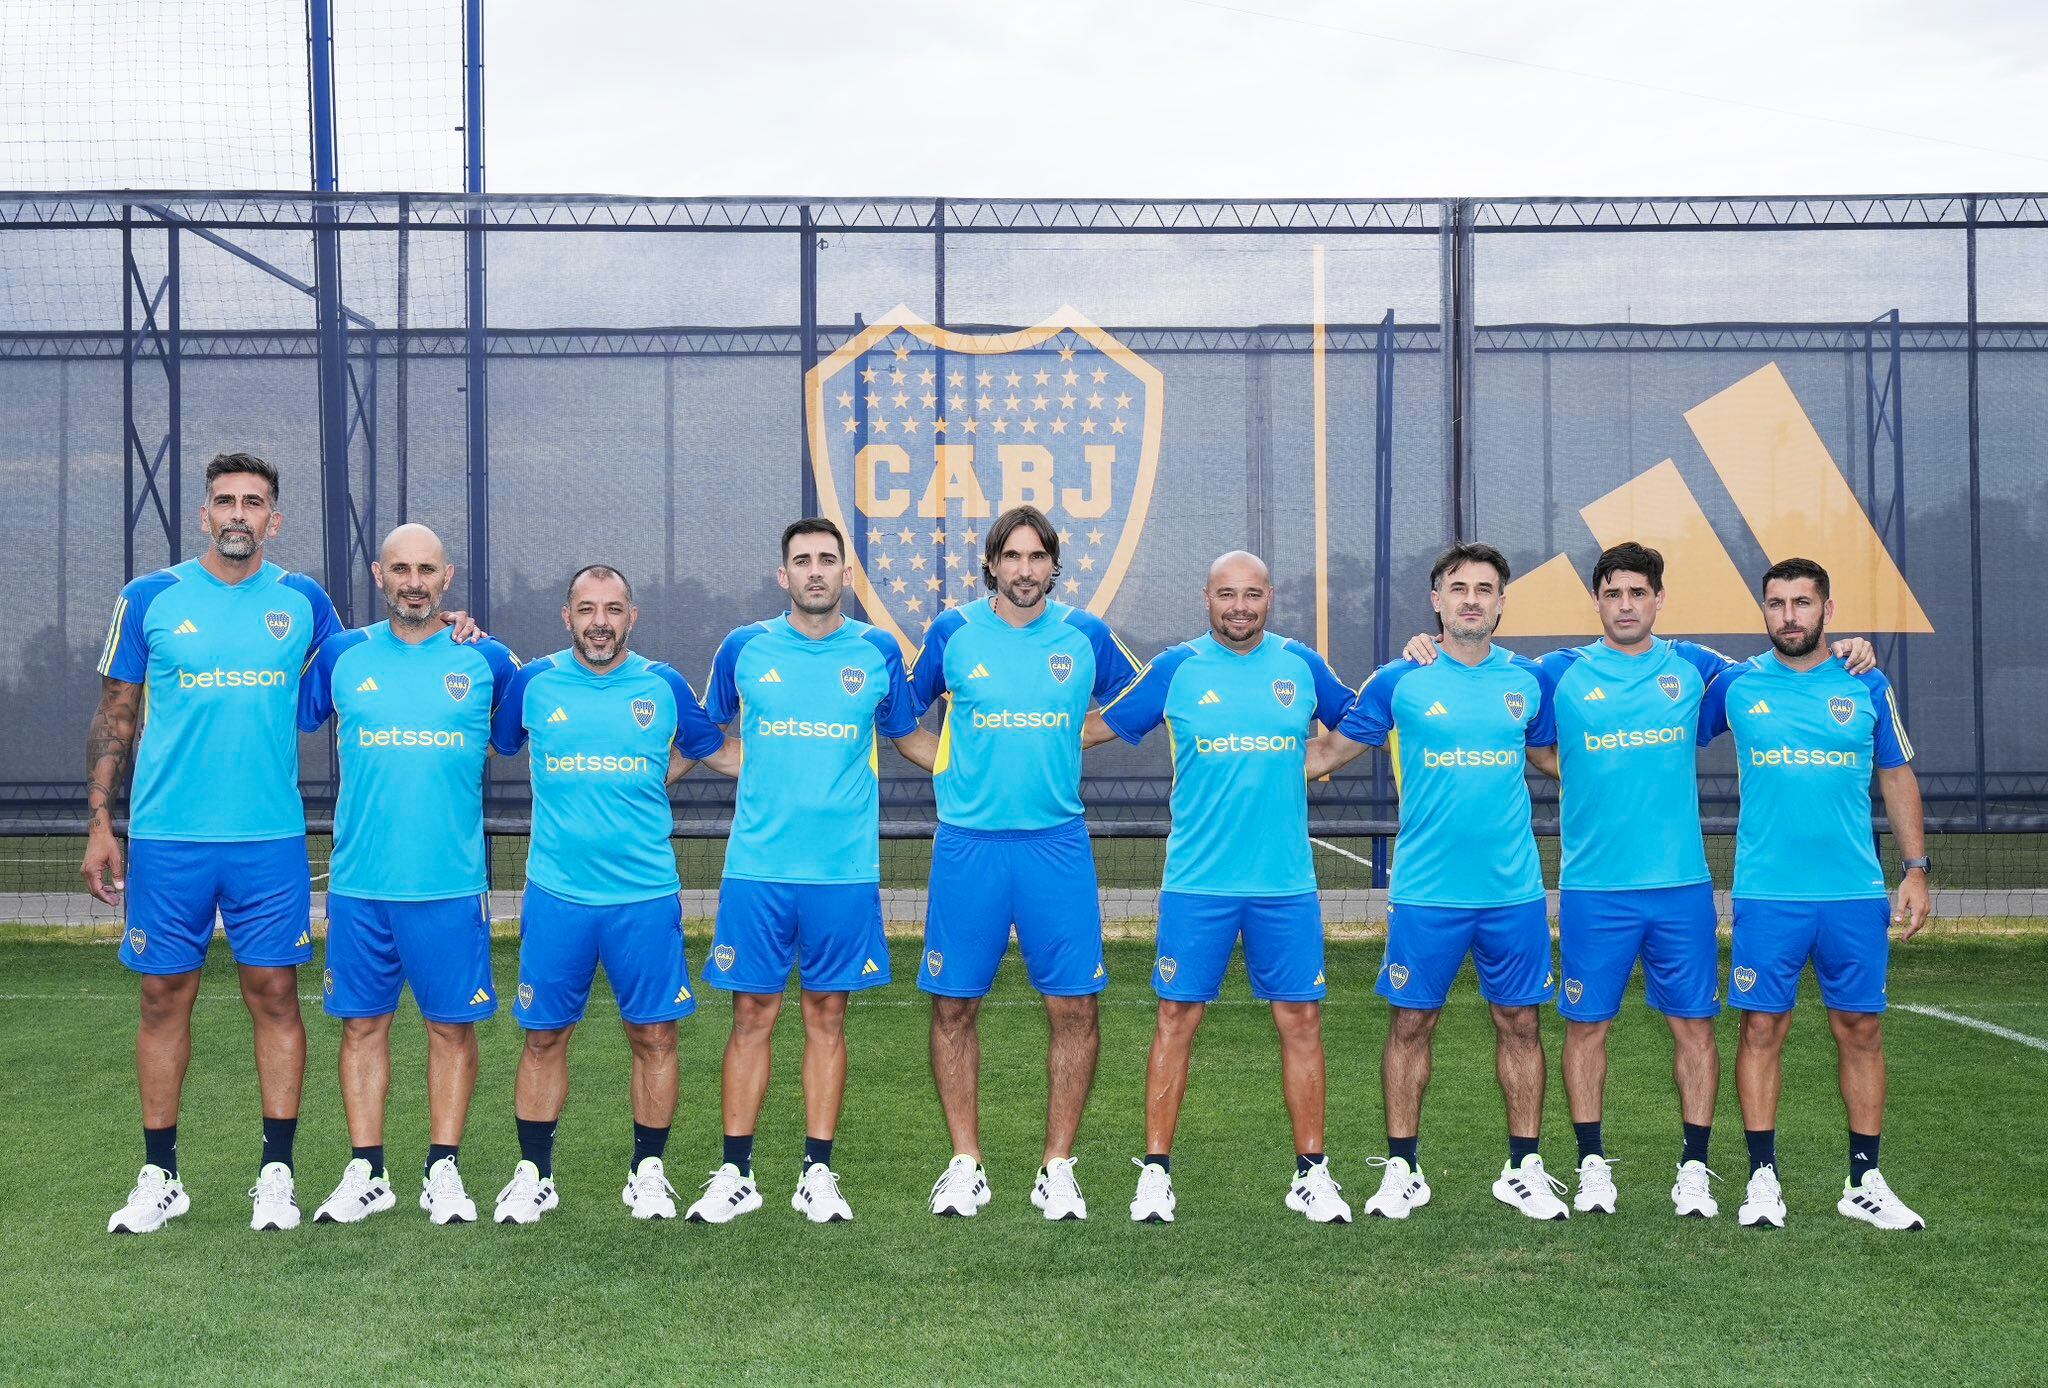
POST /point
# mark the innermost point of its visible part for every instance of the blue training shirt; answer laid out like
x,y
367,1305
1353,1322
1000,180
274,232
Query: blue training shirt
x,y
1010,748
1627,746
220,665
601,815
1238,725
413,732
1457,734
1806,746
809,710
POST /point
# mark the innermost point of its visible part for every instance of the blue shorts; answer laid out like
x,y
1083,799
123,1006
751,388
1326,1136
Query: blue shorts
x,y
640,944
764,928
263,892
1849,943
1283,945
1670,928
442,948
984,881
1426,946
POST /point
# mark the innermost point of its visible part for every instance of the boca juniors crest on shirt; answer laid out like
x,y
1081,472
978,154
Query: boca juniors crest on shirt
x,y
852,679
921,436
457,686
1841,710
1061,665
1283,690
1670,685
278,624
643,712
1517,705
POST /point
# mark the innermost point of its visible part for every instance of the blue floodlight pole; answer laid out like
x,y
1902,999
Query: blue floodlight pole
x,y
476,373
333,333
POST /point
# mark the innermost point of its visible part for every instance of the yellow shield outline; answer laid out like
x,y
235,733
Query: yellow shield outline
x,y
1065,318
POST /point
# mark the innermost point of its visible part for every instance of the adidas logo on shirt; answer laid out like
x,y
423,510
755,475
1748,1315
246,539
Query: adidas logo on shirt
x,y
979,672
683,993
1759,707
871,967
483,995
1597,694
772,677
1435,710
1209,698
559,716
305,938
185,628
368,686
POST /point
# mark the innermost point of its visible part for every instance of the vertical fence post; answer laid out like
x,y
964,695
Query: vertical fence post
x,y
332,331
807,309
401,459
1976,527
1382,552
129,279
476,344
173,346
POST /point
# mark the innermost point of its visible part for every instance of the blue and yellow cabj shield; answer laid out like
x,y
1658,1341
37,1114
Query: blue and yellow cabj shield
x,y
920,436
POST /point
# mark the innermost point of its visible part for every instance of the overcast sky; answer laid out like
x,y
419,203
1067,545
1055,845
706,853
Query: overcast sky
x,y
1267,97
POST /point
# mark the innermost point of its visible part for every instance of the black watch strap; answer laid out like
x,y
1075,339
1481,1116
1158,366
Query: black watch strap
x,y
1924,864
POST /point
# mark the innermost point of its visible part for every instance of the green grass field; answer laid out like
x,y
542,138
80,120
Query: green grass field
x,y
1238,1291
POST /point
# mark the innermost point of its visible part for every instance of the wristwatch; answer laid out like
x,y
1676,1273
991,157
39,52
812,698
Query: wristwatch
x,y
1925,865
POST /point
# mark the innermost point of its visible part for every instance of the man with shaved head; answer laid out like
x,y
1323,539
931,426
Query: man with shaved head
x,y
1238,703
406,894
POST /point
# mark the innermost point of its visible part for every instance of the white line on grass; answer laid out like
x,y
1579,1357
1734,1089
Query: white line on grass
x,y
1341,852
1960,1020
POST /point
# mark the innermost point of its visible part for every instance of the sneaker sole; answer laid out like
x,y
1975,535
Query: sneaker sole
x,y
743,1208
1152,1219
1593,1208
1762,1221
1862,1218
273,1227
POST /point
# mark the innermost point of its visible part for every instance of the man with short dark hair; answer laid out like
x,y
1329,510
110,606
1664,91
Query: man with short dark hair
x,y
1019,671
811,689
601,880
217,645
1808,885
1466,875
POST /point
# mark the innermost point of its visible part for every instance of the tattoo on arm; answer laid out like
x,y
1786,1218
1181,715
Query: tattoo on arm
x,y
110,749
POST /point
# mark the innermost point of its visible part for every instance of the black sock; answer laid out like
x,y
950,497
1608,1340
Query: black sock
x,y
1696,1138
647,1142
1520,1147
160,1148
1862,1155
1763,1147
373,1155
537,1143
1161,1160
436,1151
277,1139
739,1151
1404,1148
817,1152
1590,1144
1304,1160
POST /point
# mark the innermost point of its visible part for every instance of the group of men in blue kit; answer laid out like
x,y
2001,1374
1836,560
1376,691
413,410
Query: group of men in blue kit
x,y
212,667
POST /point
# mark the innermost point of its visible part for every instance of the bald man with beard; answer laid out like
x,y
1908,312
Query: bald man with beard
x,y
406,901
1239,703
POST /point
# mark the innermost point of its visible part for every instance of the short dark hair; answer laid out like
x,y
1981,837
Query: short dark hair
x,y
1786,570
1629,558
596,571
812,525
1006,525
225,464
1469,552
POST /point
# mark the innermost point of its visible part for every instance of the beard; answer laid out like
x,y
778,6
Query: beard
x,y
401,617
1797,646
1010,595
583,641
814,604
235,542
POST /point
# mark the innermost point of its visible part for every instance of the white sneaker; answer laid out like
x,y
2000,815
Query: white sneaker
x,y
442,1195
649,1195
1873,1203
1692,1197
158,1198
1154,1202
1314,1193
277,1202
961,1190
1531,1189
526,1197
1763,1202
817,1196
362,1193
729,1194
1056,1193
1596,1193
1402,1190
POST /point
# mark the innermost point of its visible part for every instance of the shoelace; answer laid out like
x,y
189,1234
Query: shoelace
x,y
719,1184
446,1182
158,1190
1152,1182
647,1182
1693,1179
1059,1179
953,1180
1557,1187
1769,1177
1391,1178
1319,1181
1600,1177
272,1189
524,1186
828,1179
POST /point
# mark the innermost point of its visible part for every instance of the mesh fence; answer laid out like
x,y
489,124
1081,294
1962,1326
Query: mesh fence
x,y
1341,387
